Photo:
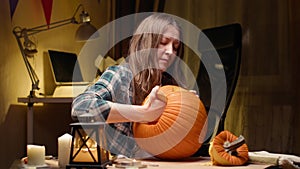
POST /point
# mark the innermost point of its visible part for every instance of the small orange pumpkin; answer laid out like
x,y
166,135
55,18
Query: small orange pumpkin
x,y
227,149
179,131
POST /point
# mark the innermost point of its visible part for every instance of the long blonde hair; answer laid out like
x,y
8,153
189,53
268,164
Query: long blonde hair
x,y
142,51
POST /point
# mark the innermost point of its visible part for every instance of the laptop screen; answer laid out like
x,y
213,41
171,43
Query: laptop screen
x,y
65,67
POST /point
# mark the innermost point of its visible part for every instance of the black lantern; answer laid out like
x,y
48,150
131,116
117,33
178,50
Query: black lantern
x,y
87,147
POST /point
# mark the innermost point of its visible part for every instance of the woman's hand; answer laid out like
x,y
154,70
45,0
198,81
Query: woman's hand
x,y
150,111
194,92
154,106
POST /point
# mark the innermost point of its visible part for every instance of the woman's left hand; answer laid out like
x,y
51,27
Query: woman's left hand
x,y
194,92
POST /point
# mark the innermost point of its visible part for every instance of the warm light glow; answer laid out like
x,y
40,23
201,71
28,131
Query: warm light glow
x,y
85,156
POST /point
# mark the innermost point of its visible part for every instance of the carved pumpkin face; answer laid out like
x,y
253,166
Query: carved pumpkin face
x,y
220,156
180,130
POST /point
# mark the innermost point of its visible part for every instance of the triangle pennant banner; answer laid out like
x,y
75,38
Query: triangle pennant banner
x,y
47,6
13,5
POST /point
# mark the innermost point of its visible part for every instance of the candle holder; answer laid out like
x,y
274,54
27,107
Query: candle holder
x,y
87,147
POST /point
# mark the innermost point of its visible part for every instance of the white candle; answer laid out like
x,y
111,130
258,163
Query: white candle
x,y
64,146
36,155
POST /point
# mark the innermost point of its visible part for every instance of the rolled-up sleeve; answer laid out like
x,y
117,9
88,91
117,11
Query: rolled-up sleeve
x,y
113,85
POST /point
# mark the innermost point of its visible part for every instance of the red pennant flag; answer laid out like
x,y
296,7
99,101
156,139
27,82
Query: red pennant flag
x,y
47,6
13,5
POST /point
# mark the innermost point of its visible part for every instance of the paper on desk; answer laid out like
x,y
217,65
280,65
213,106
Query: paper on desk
x,y
271,158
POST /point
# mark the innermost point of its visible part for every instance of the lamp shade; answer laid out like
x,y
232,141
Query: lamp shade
x,y
86,31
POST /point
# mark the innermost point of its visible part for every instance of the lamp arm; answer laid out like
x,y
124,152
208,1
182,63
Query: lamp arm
x,y
41,28
31,31
24,33
33,76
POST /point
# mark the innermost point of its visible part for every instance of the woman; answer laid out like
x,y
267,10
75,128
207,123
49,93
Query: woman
x,y
155,54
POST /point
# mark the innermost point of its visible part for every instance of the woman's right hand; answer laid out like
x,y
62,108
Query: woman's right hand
x,y
150,111
154,105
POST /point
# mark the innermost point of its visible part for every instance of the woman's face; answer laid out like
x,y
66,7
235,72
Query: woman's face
x,y
168,47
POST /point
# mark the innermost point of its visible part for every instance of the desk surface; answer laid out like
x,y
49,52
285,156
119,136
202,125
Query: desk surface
x,y
197,163
47,99
31,101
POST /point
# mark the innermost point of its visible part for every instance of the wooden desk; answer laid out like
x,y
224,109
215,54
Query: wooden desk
x,y
193,163
30,101
197,163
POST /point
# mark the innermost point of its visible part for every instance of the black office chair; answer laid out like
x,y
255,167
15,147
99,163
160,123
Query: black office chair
x,y
223,54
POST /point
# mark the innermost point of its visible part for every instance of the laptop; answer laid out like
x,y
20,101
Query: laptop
x,y
66,73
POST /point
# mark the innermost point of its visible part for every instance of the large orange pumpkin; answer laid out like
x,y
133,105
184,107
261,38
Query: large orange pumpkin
x,y
228,149
180,130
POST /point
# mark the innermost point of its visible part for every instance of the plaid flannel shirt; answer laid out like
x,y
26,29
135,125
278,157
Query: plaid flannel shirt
x,y
113,85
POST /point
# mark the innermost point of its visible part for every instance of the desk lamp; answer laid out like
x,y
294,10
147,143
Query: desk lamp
x,y
28,48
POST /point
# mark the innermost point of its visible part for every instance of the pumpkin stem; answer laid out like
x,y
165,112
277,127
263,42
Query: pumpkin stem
x,y
232,146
